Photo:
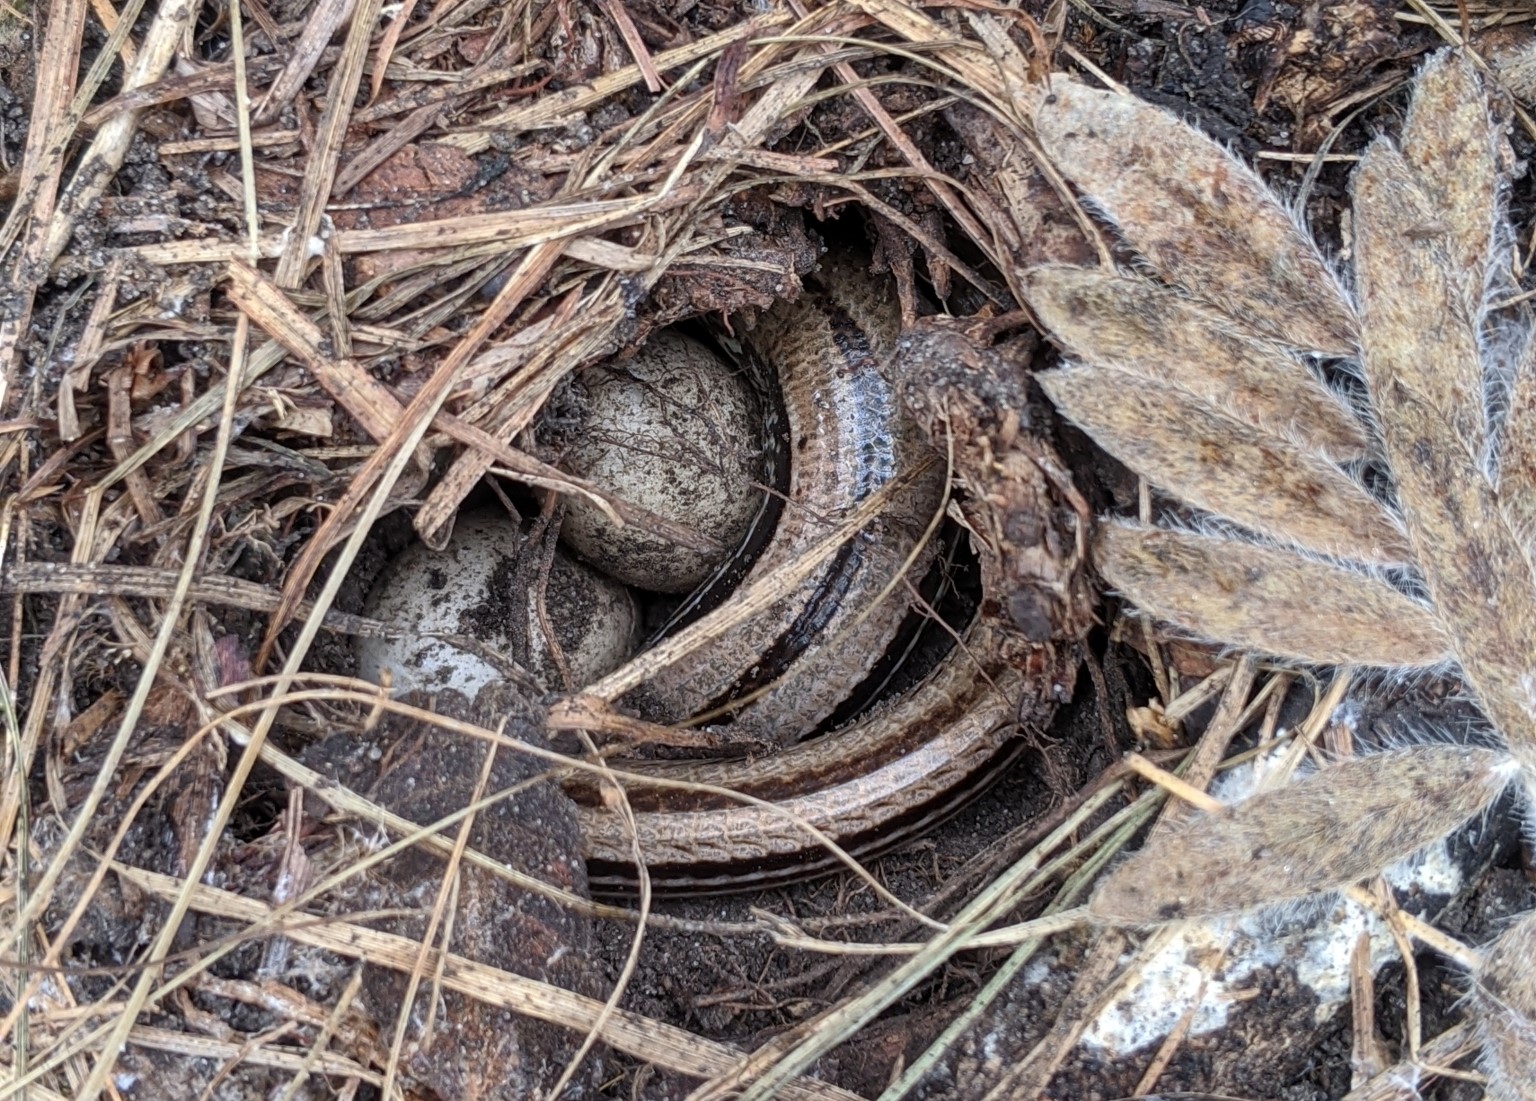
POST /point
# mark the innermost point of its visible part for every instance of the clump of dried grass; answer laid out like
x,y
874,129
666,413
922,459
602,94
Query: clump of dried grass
x,y
338,367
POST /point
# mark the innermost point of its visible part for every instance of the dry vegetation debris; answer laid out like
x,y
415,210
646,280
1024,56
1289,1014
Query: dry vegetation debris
x,y
299,253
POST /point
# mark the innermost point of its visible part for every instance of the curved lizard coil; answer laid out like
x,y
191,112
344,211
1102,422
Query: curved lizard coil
x,y
885,778
849,436
900,768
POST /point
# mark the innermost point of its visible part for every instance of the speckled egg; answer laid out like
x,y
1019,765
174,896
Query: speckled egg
x,y
474,587
680,433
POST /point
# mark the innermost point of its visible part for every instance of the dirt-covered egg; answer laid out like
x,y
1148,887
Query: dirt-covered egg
x,y
680,433
479,587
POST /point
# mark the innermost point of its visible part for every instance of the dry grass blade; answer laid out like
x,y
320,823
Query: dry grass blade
x,y
1269,600
1477,572
1224,465
1201,217
838,1023
1504,997
1131,324
627,1031
109,146
1326,831
37,190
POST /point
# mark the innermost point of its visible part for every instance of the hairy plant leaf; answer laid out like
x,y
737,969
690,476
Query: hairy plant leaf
x,y
1131,324
1200,216
1267,600
1427,223
1478,575
1327,830
1451,142
1420,325
1504,1007
1517,450
1225,466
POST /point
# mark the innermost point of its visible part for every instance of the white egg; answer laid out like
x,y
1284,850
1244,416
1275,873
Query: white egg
x,y
471,588
677,432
